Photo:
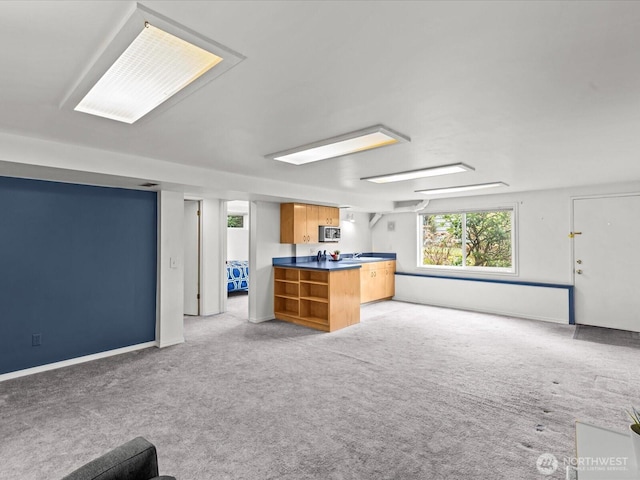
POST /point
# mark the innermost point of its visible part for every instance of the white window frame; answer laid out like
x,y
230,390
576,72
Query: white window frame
x,y
511,271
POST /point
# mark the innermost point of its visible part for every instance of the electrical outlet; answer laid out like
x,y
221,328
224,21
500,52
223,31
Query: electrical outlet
x,y
36,340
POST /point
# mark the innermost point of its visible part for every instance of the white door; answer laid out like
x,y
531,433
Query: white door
x,y
607,262
191,257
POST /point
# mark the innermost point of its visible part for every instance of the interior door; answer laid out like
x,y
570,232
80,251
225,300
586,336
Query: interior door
x,y
191,257
606,262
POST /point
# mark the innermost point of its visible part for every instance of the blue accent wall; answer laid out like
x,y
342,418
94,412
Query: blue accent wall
x,y
77,266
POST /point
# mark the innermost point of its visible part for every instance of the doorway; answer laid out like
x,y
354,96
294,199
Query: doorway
x,y
606,234
192,257
237,258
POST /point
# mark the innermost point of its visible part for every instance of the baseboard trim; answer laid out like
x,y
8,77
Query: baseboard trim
x,y
75,361
170,342
262,319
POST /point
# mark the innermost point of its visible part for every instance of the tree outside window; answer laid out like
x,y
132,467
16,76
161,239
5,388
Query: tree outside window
x,y
468,240
235,221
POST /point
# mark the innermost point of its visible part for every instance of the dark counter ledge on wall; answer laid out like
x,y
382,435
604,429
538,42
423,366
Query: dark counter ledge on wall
x,y
311,263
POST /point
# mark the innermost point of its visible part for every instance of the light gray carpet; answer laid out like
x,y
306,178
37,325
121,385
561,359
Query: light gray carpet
x,y
609,336
412,392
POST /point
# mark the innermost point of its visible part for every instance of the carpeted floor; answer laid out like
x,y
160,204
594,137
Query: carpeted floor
x,y
412,392
610,336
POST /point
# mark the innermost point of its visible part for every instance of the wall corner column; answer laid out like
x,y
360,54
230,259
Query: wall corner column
x,y
170,288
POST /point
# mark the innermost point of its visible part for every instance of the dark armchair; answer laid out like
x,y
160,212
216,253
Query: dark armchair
x,y
135,460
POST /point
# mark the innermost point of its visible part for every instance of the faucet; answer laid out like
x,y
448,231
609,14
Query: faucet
x,y
319,256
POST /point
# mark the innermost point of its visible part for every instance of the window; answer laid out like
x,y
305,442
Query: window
x,y
475,240
235,221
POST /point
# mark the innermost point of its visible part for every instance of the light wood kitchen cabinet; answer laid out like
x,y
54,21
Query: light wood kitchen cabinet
x,y
329,216
298,223
377,281
324,300
390,279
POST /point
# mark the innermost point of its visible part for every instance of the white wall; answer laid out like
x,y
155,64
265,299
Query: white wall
x,y
213,220
264,244
356,236
170,324
526,301
238,243
543,246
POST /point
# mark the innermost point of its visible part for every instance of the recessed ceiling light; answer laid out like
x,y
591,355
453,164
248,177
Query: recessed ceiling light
x,y
359,141
149,65
462,188
420,173
151,70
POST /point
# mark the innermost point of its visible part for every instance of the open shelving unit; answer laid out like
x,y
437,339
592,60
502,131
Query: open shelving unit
x,y
286,290
318,299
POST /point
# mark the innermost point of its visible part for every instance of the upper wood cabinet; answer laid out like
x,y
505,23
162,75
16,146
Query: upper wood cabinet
x,y
298,223
312,223
329,216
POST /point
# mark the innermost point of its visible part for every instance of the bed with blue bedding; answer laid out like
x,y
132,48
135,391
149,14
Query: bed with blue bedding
x,y
237,275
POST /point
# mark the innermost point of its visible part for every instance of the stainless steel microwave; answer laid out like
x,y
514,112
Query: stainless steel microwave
x,y
329,234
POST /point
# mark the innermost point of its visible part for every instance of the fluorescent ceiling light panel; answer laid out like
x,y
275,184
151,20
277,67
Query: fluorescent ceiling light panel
x,y
149,64
359,141
420,173
151,70
462,188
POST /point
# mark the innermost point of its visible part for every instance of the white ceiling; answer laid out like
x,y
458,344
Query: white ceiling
x,y
536,94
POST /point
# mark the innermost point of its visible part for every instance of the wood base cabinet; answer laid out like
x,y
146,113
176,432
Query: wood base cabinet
x,y
324,300
377,281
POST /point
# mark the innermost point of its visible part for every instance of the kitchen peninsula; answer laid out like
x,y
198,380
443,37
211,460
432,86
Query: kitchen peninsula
x,y
326,295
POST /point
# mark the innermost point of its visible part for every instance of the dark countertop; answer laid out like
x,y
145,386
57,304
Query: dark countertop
x,y
310,263
323,265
